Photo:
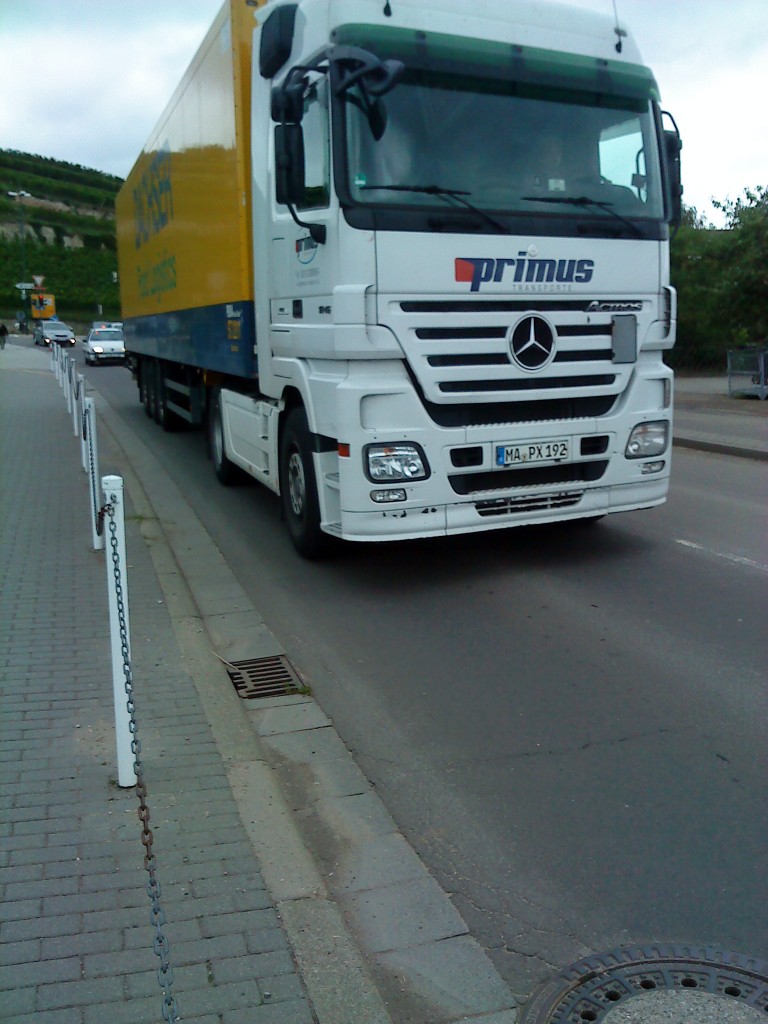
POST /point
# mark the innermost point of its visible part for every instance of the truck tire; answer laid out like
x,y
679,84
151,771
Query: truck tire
x,y
298,488
157,389
226,472
167,419
147,376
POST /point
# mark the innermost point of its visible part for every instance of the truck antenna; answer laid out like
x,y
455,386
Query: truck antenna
x,y
620,32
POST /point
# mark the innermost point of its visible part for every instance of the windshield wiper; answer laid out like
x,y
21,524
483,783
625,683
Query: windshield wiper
x,y
447,194
585,201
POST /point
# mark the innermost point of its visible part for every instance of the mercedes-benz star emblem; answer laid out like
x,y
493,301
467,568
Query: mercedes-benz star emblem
x,y
532,343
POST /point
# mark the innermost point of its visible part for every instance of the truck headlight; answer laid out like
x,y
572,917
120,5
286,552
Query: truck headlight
x,y
388,462
648,440
98,349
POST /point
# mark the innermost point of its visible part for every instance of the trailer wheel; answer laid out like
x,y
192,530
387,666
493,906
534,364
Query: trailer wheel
x,y
167,419
226,471
146,387
298,488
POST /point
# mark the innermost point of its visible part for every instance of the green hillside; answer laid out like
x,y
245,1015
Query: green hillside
x,y
63,230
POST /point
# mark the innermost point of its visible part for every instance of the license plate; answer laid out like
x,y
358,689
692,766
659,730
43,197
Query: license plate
x,y
532,451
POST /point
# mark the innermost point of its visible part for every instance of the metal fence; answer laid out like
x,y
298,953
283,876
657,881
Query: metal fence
x,y
748,372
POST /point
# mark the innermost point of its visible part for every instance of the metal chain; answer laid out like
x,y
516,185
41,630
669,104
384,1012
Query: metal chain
x,y
157,914
88,435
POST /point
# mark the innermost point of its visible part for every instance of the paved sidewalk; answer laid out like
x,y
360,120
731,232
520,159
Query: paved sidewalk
x,y
75,933
706,417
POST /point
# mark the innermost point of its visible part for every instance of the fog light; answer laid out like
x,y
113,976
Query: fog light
x,y
647,440
652,467
386,497
387,462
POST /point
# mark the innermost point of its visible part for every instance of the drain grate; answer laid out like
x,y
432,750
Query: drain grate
x,y
265,677
587,990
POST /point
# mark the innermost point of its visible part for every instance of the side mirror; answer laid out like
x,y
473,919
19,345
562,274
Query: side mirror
x,y
289,164
672,147
287,102
276,40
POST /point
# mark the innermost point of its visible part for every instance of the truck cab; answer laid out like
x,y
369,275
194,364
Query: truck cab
x,y
467,230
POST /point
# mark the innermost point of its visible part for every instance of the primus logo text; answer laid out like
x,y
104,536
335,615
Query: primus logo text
x,y
526,271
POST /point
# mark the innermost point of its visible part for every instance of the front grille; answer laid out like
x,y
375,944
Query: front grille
x,y
526,384
532,476
531,503
494,413
458,355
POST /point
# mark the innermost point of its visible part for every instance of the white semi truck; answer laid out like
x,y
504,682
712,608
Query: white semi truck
x,y
408,261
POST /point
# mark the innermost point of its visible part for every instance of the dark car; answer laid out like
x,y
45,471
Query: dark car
x,y
47,331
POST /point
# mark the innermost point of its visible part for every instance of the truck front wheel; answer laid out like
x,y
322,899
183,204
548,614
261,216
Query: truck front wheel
x,y
227,472
298,487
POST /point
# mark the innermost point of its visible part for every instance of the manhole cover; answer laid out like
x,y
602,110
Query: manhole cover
x,y
590,989
264,677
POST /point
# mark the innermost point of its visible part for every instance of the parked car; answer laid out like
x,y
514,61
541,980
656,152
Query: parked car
x,y
104,345
47,331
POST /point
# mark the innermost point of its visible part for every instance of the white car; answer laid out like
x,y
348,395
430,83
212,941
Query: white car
x,y
47,331
104,345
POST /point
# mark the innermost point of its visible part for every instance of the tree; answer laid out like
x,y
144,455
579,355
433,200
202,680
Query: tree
x,y
746,266
721,278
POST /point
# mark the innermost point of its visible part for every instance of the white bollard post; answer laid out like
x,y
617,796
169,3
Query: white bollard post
x,y
83,436
92,469
117,585
76,405
68,389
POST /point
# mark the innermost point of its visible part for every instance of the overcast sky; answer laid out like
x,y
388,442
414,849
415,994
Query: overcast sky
x,y
85,80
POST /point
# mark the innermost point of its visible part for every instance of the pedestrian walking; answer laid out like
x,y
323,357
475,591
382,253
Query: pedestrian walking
x,y
3,335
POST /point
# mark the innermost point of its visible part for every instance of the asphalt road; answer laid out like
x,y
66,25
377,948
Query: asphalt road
x,y
568,724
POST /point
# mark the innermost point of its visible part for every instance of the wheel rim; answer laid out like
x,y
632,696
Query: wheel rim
x,y
296,483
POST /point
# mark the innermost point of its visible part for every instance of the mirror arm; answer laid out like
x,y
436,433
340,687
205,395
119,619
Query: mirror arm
x,y
317,232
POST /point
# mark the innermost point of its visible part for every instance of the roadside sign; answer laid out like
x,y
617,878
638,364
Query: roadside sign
x,y
24,286
43,306
38,279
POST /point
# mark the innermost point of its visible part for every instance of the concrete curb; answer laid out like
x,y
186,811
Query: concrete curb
x,y
701,445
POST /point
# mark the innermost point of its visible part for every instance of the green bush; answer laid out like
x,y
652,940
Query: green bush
x,y
721,278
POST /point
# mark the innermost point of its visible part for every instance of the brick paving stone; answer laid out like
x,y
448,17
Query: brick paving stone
x,y
82,944
44,972
20,952
79,993
186,979
294,1012
67,1015
40,927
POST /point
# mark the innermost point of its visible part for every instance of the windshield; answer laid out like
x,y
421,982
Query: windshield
x,y
107,336
456,139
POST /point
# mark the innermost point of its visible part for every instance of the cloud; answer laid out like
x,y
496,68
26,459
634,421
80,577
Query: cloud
x,y
94,96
